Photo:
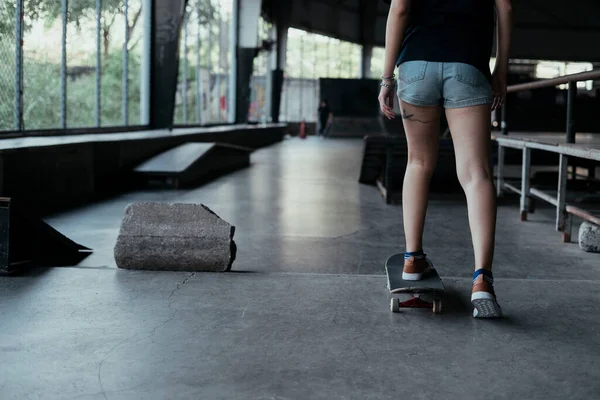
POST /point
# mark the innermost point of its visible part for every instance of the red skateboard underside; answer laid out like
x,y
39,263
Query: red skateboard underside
x,y
415,302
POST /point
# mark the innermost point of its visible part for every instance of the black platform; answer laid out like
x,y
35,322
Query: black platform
x,y
193,163
26,240
384,164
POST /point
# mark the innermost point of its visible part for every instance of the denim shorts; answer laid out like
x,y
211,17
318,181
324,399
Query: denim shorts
x,y
453,85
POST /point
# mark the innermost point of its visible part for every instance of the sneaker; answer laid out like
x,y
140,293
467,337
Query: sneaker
x,y
415,269
483,297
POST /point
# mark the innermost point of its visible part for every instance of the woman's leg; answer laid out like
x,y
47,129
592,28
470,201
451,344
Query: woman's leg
x,y
421,125
470,128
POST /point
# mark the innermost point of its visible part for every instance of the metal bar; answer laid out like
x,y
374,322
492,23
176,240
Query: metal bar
x,y
525,183
301,78
218,79
316,98
63,66
126,67
583,76
511,144
329,54
571,150
570,138
98,62
503,122
271,66
287,89
210,59
512,188
544,196
145,67
500,171
198,69
562,193
233,68
571,100
582,214
18,112
185,67
566,149
566,235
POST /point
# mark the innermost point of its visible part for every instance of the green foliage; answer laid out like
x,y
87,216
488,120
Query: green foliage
x,y
50,10
41,98
42,90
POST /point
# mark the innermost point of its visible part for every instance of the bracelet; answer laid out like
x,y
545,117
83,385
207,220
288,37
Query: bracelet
x,y
389,78
383,84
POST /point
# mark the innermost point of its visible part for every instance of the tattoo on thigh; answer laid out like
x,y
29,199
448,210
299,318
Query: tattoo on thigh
x,y
411,117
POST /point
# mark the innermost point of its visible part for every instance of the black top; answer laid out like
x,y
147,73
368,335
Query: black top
x,y
450,31
324,113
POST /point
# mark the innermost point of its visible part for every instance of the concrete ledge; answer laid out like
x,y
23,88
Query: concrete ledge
x,y
56,173
63,140
589,237
174,237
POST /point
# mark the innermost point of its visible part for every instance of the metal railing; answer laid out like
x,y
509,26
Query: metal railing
x,y
28,63
564,211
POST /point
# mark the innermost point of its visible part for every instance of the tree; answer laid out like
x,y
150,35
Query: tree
x,y
51,10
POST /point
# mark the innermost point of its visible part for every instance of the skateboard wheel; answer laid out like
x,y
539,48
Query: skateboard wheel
x,y
394,305
437,306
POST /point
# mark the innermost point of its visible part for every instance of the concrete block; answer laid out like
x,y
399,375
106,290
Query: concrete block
x,y
589,237
174,237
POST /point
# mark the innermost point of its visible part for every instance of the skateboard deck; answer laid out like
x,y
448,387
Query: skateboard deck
x,y
431,285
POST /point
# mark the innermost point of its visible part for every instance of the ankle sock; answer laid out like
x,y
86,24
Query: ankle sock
x,y
418,255
487,275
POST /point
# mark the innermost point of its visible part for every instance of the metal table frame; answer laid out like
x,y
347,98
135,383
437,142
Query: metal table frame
x,y
564,211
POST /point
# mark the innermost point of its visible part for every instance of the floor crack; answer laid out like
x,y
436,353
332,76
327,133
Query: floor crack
x,y
179,286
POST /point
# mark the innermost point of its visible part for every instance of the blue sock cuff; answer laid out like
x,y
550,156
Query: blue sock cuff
x,y
487,275
416,254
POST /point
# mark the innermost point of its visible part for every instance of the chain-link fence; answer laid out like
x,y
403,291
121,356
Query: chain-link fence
x,y
80,64
8,70
203,84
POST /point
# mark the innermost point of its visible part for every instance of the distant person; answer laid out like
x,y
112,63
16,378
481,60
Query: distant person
x,y
442,50
325,119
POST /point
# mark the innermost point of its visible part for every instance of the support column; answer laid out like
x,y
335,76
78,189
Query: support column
x,y
368,22
271,65
280,62
248,15
167,20
365,64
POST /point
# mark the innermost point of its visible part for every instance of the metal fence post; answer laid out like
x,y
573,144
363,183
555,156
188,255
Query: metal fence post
x,y
185,66
198,69
98,62
301,80
503,122
18,117
126,67
209,60
561,206
525,183
218,79
63,66
146,62
500,171
571,99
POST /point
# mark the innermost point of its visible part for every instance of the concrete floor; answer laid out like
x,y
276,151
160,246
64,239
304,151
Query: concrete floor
x,y
305,313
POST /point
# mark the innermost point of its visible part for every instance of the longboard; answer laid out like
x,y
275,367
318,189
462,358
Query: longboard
x,y
431,284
